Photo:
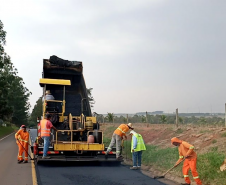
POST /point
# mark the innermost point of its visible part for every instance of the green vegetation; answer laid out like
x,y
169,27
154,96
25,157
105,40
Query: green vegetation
x,y
14,95
5,131
214,141
36,112
223,135
205,119
179,131
208,167
204,131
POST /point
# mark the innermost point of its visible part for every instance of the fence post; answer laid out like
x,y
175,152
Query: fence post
x,y
177,118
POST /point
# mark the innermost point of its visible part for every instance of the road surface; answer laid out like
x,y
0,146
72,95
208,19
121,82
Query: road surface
x,y
12,173
91,174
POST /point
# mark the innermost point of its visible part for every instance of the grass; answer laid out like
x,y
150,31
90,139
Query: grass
x,y
214,141
209,168
179,131
223,135
204,131
5,131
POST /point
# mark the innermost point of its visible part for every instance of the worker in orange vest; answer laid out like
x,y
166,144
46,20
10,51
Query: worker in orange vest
x,y
117,137
186,151
22,138
18,144
46,127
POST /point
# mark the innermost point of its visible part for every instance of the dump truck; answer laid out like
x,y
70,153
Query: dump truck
x,y
78,136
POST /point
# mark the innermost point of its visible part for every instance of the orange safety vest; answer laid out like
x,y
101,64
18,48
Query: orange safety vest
x,y
121,130
44,131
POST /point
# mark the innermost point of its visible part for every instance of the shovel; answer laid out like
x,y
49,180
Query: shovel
x,y
163,176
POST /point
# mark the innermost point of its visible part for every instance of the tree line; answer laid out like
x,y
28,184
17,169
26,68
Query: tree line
x,y
160,119
14,96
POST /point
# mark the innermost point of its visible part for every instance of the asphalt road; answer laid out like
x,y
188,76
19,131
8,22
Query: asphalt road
x,y
12,173
90,174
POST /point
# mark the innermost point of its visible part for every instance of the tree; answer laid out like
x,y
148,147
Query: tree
x,y
14,95
90,97
110,117
163,119
37,111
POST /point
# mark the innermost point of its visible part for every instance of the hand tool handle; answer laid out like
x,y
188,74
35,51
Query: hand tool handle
x,y
173,167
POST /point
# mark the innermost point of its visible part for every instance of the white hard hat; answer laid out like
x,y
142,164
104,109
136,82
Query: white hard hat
x,y
130,125
132,132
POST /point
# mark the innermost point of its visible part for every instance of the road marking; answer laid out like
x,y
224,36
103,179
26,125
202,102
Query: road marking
x,y
6,136
34,177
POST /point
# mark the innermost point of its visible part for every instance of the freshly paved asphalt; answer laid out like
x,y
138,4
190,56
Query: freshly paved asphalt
x,y
12,173
91,174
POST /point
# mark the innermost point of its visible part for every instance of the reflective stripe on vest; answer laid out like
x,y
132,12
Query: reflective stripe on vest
x,y
44,130
181,157
186,176
140,143
121,130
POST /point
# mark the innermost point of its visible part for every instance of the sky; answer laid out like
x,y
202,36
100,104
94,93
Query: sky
x,y
146,55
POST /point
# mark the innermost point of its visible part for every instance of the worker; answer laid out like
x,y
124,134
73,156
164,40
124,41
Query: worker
x,y
118,135
18,144
186,151
22,137
137,146
46,127
48,96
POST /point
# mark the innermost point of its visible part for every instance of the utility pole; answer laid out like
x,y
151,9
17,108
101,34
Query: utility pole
x,y
177,118
146,117
127,118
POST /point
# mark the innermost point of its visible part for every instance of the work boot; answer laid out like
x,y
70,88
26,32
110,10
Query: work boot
x,y
133,168
185,184
26,161
46,157
20,161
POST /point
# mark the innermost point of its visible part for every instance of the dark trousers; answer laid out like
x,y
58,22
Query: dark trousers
x,y
137,158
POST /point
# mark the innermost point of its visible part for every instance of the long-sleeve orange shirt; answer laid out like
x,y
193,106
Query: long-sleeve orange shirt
x,y
185,150
121,130
22,136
